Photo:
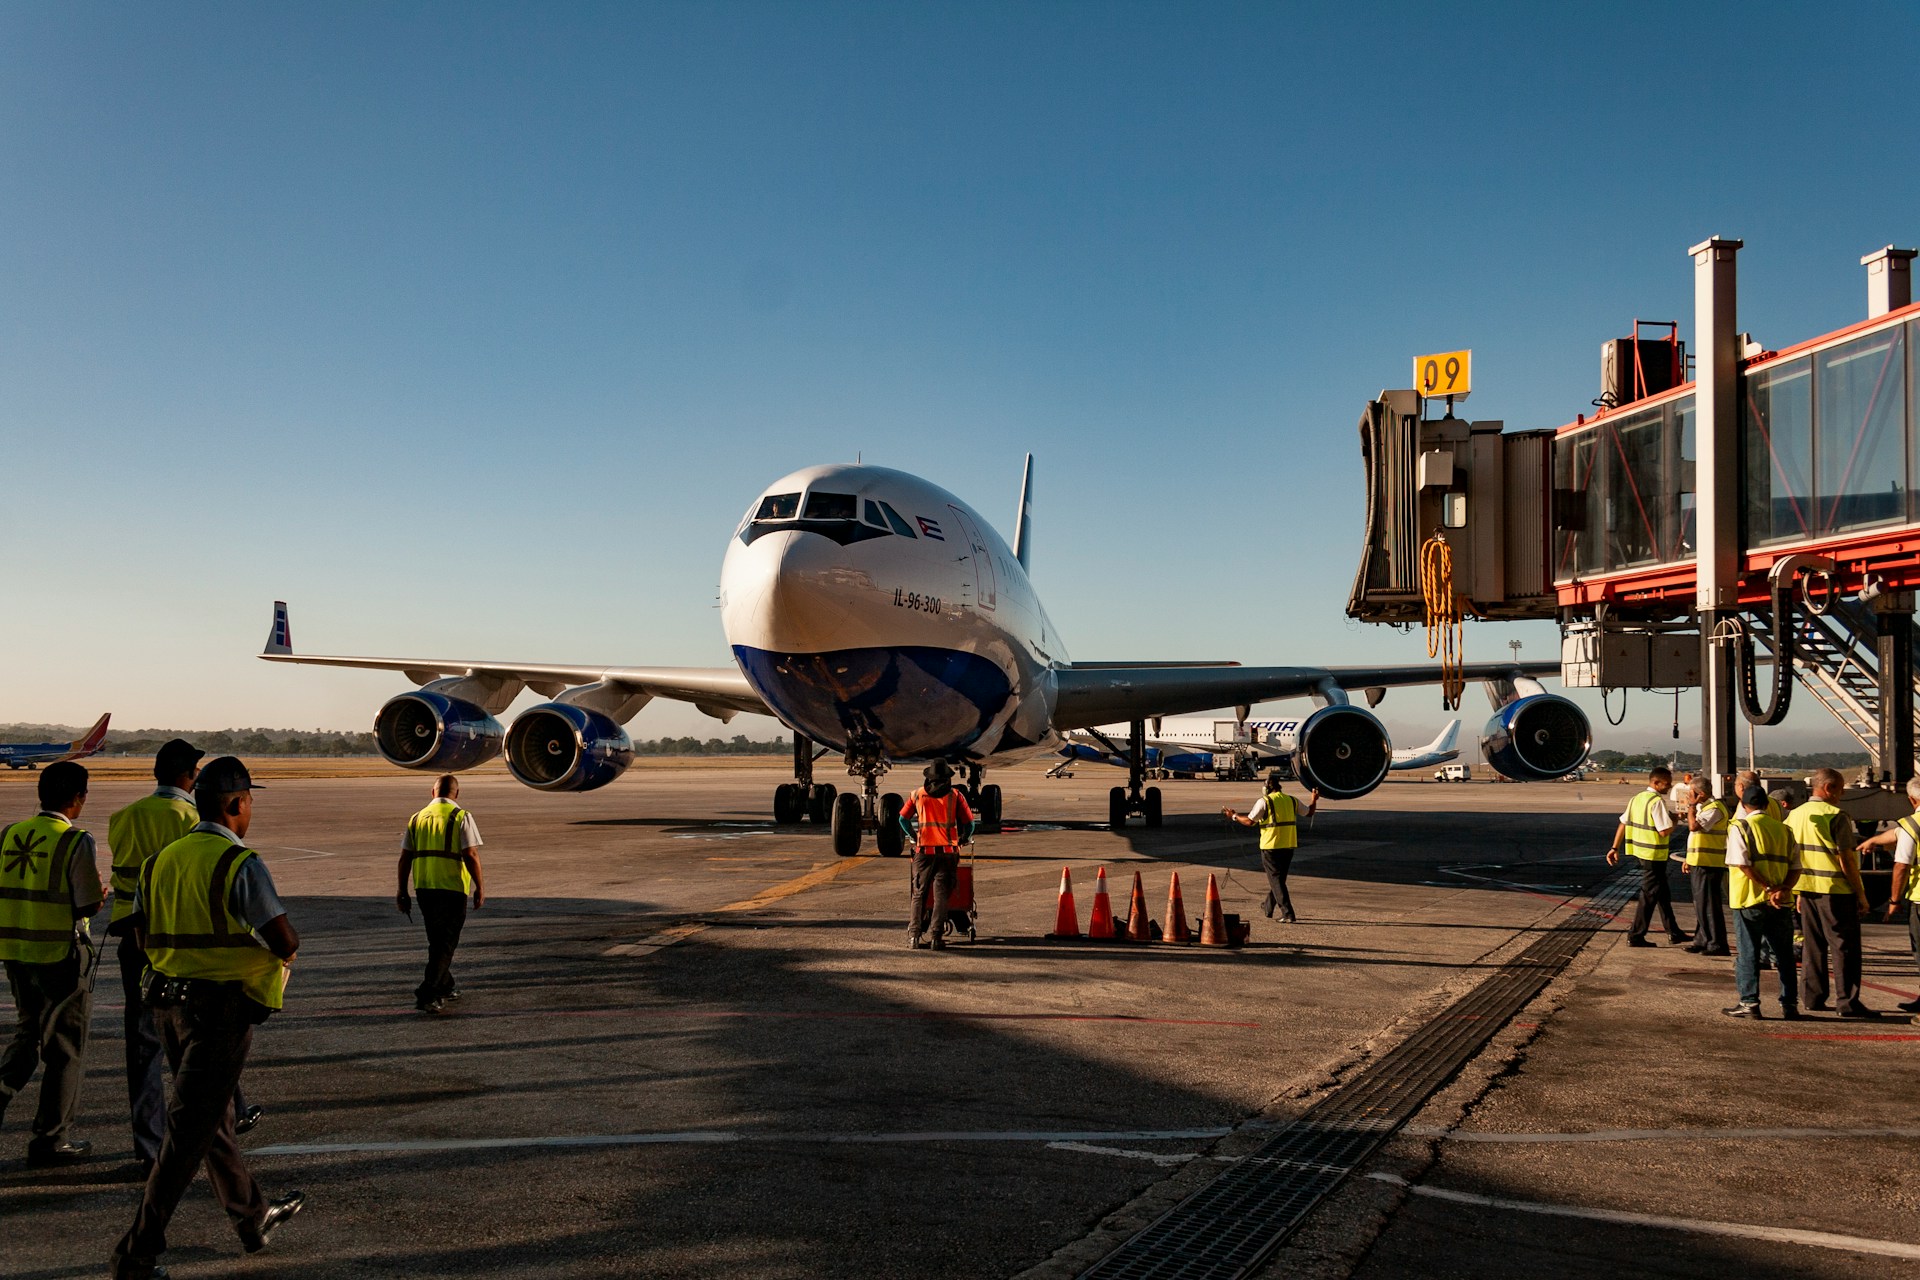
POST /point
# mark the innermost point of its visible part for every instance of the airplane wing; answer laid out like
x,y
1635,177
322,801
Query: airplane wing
x,y
719,691
1099,693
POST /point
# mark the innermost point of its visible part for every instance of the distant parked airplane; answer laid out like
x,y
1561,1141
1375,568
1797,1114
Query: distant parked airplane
x,y
29,755
1187,744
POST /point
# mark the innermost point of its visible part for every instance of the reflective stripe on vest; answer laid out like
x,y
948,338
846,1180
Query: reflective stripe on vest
x,y
1769,848
36,890
1821,867
938,818
435,834
187,890
1644,840
135,834
1279,822
1708,848
1911,825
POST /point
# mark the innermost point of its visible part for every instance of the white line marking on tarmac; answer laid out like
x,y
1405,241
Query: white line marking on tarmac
x,y
428,1145
1648,1135
1157,1157
1699,1226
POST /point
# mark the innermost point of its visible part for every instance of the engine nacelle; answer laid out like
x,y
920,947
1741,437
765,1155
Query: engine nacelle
x,y
428,730
1342,752
557,746
1537,739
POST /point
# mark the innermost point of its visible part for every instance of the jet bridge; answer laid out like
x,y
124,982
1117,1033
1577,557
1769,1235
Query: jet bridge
x,y
1743,521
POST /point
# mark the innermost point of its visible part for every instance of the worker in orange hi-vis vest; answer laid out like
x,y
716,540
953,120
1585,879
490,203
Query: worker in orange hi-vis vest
x,y
938,820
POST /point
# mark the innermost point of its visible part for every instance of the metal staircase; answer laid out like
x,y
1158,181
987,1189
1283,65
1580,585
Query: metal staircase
x,y
1838,663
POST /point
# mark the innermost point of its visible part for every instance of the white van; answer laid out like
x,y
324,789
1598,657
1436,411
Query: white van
x,y
1453,773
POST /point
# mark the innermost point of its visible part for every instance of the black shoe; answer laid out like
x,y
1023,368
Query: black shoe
x,y
1714,951
1696,950
1908,1006
46,1155
1818,1006
452,995
1860,1011
936,943
1638,942
1790,1013
1677,938
1743,1011
429,1006
916,943
244,1122
254,1238
130,1270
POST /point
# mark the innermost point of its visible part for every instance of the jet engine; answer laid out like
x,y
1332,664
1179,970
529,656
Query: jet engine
x,y
1342,752
557,746
425,729
1537,738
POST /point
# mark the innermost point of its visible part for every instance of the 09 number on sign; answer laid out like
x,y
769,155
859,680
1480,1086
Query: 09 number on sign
x,y
1446,373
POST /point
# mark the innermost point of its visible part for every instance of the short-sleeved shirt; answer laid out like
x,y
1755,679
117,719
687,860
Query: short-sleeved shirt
x,y
83,872
1903,849
253,898
469,834
1660,816
1737,843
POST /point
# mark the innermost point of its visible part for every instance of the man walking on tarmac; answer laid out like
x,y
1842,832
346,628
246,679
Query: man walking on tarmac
x,y
218,943
1706,866
937,819
1831,895
439,852
1761,869
49,891
135,834
1644,830
1278,818
1906,880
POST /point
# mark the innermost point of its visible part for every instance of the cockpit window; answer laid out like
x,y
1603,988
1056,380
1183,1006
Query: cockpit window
x,y
778,506
874,517
832,506
900,526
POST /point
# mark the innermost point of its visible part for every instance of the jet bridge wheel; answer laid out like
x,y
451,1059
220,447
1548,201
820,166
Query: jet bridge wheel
x,y
820,804
1117,808
889,838
846,825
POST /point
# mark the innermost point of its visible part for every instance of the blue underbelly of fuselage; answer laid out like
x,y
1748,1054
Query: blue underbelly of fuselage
x,y
914,702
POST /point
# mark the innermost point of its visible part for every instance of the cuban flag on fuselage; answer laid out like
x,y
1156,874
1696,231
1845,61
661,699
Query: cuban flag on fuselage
x,y
931,528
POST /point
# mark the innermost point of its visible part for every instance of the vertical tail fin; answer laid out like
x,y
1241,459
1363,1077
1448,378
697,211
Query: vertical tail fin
x,y
1023,524
96,735
280,636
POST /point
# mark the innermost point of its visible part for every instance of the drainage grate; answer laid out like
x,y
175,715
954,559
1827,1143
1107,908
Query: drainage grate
x,y
1230,1226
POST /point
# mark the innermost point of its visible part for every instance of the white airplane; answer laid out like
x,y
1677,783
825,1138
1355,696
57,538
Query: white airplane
x,y
875,614
1189,745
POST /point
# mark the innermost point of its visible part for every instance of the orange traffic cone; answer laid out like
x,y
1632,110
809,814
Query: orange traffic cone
x,y
1213,930
1139,928
1066,921
1100,923
1175,929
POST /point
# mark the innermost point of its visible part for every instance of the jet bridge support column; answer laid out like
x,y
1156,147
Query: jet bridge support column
x,y
1717,497
1893,610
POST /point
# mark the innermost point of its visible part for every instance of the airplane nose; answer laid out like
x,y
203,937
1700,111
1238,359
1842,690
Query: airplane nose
x,y
788,592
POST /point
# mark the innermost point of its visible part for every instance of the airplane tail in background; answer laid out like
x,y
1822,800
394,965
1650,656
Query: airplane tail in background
x,y
1446,740
280,635
90,742
1439,751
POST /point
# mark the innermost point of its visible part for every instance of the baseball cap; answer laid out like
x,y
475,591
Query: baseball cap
x,y
224,774
175,757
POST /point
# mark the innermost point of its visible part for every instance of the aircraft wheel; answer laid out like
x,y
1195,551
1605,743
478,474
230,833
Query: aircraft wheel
x,y
846,825
1117,808
786,803
1152,806
989,810
890,839
820,807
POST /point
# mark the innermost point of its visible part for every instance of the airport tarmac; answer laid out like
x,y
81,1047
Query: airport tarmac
x,y
692,1043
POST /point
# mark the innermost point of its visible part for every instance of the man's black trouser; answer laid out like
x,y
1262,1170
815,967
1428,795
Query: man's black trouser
x,y
53,1005
1830,936
206,1044
938,871
445,914
146,1069
1655,891
1709,908
1277,863
1913,925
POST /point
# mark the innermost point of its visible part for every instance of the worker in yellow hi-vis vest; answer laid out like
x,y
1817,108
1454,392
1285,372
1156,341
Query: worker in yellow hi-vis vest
x,y
1706,867
1905,898
1644,831
1832,896
1277,816
49,892
439,852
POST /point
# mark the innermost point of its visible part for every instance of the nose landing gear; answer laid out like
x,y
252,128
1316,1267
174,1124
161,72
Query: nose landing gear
x,y
854,815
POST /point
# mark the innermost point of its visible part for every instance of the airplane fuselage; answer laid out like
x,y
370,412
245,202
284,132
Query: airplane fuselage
x,y
874,610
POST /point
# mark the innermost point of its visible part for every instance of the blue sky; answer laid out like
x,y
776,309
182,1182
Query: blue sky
x,y
470,329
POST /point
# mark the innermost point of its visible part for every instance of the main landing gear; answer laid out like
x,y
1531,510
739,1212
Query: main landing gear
x,y
803,799
1131,800
984,800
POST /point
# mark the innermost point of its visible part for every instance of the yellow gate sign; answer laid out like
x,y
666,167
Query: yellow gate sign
x,y
1446,373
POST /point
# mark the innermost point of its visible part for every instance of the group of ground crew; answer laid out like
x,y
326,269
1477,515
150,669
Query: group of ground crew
x,y
205,947
1774,865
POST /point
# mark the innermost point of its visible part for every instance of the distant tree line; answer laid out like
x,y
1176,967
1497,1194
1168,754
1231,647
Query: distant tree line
x,y
332,742
1790,762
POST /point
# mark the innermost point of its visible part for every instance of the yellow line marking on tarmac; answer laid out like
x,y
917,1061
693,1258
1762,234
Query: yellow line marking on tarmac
x,y
642,947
